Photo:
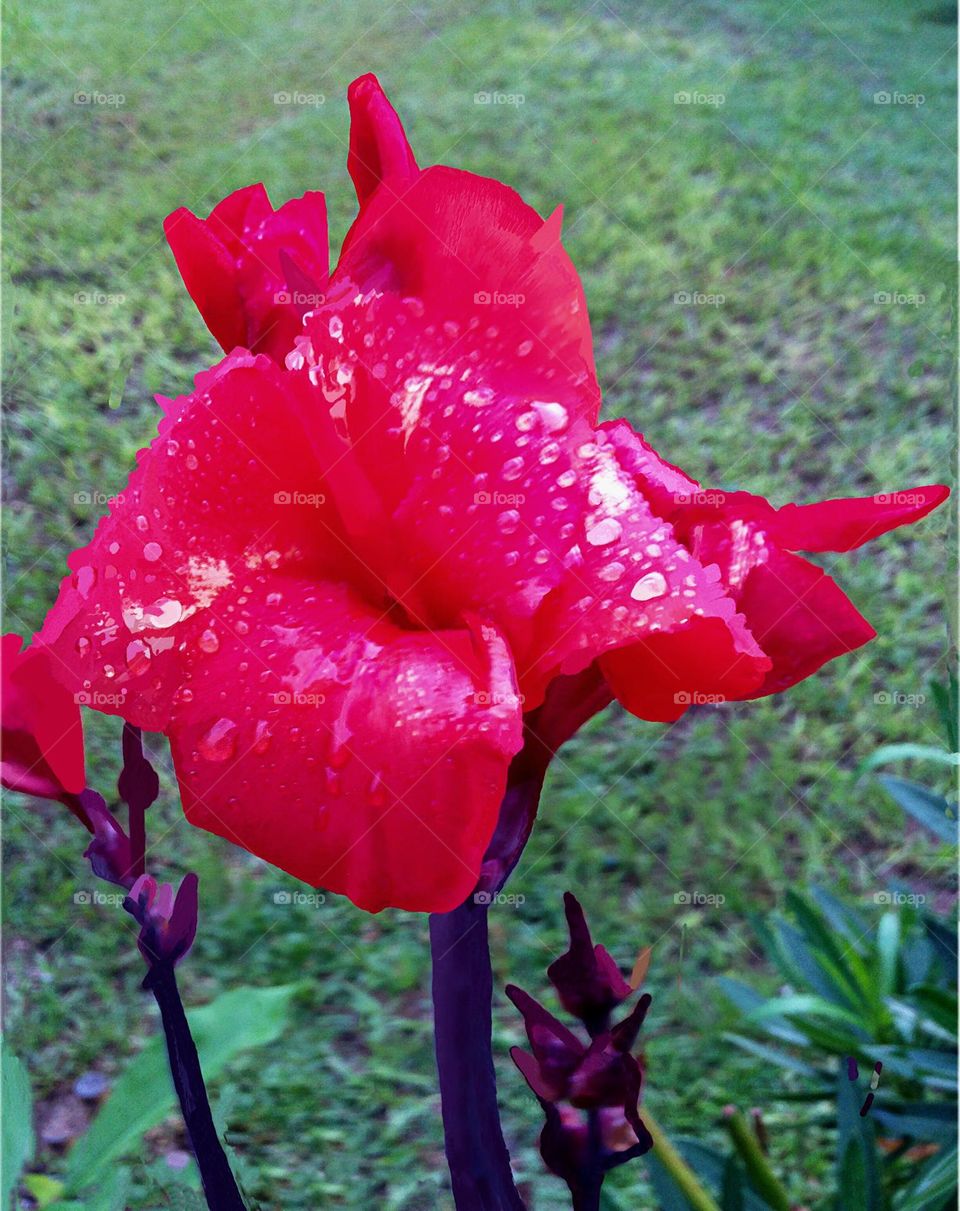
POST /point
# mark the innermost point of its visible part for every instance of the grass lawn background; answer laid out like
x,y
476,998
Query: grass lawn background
x,y
800,199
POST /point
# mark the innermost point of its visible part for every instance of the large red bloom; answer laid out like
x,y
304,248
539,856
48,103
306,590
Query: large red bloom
x,y
372,536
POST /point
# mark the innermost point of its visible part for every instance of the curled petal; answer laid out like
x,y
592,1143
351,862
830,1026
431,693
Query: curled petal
x,y
253,271
42,733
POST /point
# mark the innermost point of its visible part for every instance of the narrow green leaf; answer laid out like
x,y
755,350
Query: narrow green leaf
x,y
144,1095
17,1126
925,806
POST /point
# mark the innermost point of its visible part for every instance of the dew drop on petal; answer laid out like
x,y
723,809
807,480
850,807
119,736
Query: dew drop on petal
x,y
152,552
512,468
553,415
648,587
219,742
604,532
508,521
261,736
612,571
208,641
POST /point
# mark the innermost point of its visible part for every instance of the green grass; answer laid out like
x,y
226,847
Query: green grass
x,y
798,199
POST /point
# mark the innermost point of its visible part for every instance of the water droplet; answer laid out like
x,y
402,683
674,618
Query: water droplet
x,y
191,461
524,348
272,559
261,736
86,579
274,599
114,548
152,552
165,612
653,550
335,327
137,657
142,523
612,571
553,415
648,587
220,741
550,453
173,447
605,531
243,628
512,468
508,521
480,397
209,642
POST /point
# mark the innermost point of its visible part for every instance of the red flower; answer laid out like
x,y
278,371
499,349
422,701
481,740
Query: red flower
x,y
346,567
42,735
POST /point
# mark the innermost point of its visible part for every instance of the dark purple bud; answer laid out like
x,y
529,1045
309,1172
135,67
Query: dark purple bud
x,y
168,923
586,978
109,851
556,1050
138,783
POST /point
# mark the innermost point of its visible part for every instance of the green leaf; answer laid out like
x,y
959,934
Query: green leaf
x,y
923,1122
42,1189
936,1186
888,952
732,1192
747,999
144,1095
773,1056
708,1164
17,1126
801,1004
858,1166
947,701
908,752
919,1064
927,808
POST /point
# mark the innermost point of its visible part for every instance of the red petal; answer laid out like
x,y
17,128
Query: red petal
x,y
378,147
359,757
801,619
42,732
227,496
472,251
253,271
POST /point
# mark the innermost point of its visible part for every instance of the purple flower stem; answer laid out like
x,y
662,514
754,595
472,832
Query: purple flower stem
x,y
219,1187
462,992
587,1196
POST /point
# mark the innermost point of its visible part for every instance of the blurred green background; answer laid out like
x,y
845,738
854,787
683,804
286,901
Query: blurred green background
x,y
824,216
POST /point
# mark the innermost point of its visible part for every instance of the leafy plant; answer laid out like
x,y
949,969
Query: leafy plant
x,y
143,1096
878,997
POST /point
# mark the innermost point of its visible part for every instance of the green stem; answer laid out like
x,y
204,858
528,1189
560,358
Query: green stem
x,y
762,1177
684,1177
